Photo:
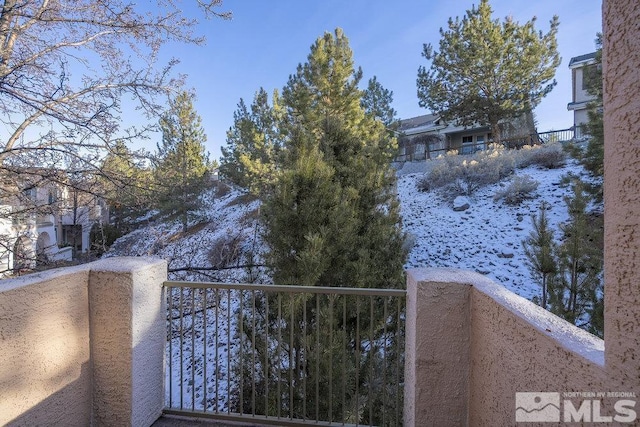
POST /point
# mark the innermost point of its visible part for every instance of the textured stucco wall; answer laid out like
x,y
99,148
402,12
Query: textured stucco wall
x,y
128,330
44,350
471,345
621,70
517,346
84,346
436,350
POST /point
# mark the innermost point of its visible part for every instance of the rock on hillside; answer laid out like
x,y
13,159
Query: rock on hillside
x,y
487,236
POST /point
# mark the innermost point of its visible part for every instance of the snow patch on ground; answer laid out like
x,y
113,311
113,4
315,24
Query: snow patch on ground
x,y
230,217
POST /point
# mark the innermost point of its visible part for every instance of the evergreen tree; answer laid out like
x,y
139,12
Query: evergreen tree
x,y
540,249
331,219
251,156
326,86
182,171
593,159
333,206
126,182
486,72
324,104
376,101
577,289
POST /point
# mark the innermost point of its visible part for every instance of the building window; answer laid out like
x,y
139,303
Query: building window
x,y
480,142
52,197
30,193
467,145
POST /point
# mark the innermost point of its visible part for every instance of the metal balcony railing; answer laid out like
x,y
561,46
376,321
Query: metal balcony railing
x,y
418,151
285,355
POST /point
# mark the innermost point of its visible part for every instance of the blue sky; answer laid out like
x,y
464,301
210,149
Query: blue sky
x,y
264,42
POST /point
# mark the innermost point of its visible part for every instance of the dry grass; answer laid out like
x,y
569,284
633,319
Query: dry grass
x,y
243,199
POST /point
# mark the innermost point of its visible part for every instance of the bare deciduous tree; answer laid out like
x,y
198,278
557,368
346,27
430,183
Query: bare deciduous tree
x,y
67,67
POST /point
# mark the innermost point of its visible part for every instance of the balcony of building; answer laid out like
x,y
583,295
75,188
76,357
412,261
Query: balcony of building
x,y
91,345
97,345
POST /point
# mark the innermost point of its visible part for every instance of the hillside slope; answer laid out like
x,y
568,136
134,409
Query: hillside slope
x,y
486,238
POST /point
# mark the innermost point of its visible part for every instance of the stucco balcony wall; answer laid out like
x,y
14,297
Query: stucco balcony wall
x,y
84,346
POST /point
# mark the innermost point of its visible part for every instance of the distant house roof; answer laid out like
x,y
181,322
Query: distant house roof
x,y
582,59
414,122
420,124
430,123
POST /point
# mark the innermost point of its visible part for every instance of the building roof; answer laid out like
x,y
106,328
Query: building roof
x,y
582,59
430,123
419,121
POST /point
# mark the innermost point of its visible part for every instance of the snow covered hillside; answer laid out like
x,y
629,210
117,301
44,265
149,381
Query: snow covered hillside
x,y
222,237
487,237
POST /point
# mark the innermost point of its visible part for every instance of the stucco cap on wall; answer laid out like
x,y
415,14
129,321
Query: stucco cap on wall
x,y
564,333
125,264
447,275
116,264
29,279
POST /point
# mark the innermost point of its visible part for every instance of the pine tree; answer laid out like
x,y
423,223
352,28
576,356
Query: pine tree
x,y
182,171
376,101
540,249
331,219
126,182
324,104
593,159
251,156
577,289
486,72
327,86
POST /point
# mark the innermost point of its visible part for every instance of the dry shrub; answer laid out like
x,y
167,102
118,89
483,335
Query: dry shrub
x,y
549,156
465,174
221,189
243,199
520,189
226,251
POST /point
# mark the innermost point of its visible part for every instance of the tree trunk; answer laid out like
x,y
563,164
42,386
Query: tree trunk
x,y
495,133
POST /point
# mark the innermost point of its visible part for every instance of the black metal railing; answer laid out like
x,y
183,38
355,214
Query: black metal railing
x,y
563,135
285,355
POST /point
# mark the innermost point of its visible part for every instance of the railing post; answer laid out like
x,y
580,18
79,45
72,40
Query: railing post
x,y
437,351
127,312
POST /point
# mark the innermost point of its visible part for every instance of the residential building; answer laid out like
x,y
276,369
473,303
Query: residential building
x,y
581,67
44,221
429,136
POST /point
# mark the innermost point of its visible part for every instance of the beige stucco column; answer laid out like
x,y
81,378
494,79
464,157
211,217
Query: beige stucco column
x,y
621,70
127,335
437,348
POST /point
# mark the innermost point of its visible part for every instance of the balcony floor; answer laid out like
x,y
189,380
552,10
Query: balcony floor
x,y
177,421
